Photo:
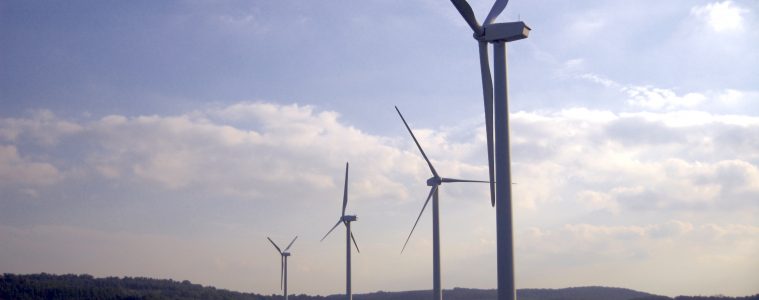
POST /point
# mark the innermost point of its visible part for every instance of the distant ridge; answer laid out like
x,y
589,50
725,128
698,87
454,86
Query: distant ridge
x,y
574,293
583,293
48,286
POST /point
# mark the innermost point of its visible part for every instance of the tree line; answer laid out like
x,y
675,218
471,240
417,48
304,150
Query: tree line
x,y
70,286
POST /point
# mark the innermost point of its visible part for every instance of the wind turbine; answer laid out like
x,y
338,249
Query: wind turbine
x,y
346,220
434,182
499,157
283,263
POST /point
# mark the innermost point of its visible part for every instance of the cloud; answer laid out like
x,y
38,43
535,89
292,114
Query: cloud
x,y
680,253
23,172
604,160
692,175
608,240
670,99
601,159
648,97
292,145
655,98
42,128
635,161
721,16
224,150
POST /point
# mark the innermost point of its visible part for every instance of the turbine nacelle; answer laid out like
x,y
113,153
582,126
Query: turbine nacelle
x,y
497,33
285,253
348,218
504,32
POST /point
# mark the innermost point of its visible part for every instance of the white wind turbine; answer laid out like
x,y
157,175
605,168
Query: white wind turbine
x,y
499,156
283,264
435,181
346,220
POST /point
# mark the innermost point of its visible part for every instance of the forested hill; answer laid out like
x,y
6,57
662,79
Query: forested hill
x,y
46,286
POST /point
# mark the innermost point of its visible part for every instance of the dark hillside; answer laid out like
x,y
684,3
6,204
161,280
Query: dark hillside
x,y
582,293
579,293
47,286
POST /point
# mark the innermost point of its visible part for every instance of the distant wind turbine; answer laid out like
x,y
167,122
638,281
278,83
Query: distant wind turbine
x,y
499,156
283,264
435,181
346,220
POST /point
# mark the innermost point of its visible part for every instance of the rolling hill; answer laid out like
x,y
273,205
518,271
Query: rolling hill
x,y
48,286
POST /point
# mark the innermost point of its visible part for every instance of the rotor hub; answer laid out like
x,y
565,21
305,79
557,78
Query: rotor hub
x,y
434,181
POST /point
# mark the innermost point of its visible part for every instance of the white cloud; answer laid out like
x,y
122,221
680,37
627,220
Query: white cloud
x,y
293,145
658,99
721,16
680,253
588,237
676,168
639,161
602,160
42,128
599,79
595,200
649,97
205,151
18,170
668,99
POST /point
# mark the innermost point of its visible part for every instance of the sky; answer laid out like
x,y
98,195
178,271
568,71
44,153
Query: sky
x,y
169,139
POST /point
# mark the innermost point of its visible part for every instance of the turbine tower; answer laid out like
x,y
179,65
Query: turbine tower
x,y
283,263
499,157
434,182
346,220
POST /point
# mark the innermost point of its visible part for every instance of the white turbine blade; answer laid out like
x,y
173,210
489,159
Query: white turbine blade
x,y
354,242
345,190
291,243
487,92
457,180
432,191
275,245
333,228
498,7
432,169
466,11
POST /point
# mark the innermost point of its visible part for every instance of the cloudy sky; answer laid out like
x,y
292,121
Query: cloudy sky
x,y
168,139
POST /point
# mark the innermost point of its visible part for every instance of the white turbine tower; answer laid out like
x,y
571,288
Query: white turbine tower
x,y
435,181
346,220
283,264
499,157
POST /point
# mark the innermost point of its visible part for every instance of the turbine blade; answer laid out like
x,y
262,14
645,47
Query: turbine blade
x,y
432,169
345,190
291,243
354,242
333,228
496,10
432,191
466,11
281,272
457,180
487,92
275,245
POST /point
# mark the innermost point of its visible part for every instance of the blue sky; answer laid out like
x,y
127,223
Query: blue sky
x,y
168,139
